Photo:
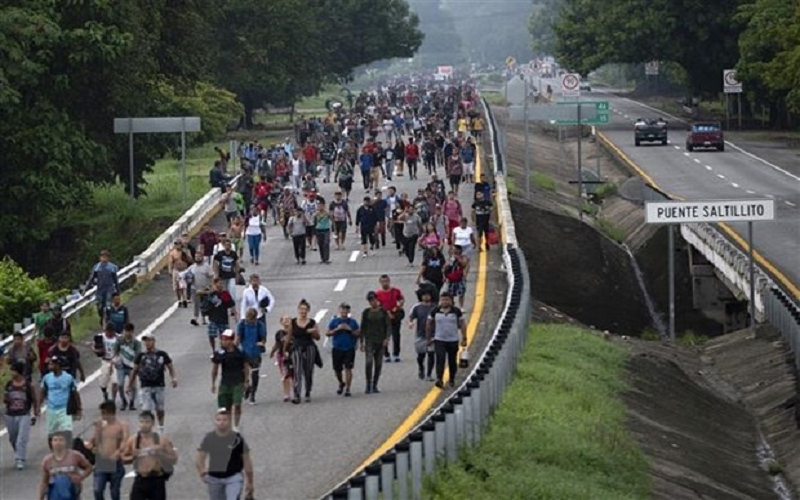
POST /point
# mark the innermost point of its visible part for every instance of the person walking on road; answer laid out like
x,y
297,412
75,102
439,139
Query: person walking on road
x,y
63,470
20,400
108,441
116,314
52,331
219,305
322,229
104,346
254,232
392,301
258,297
297,229
223,461
21,352
445,327
149,367
455,272
226,266
374,339
234,379
153,457
203,274
366,221
104,277
344,332
418,321
303,333
251,337
340,211
57,388
412,227
69,356
281,352
481,213
126,350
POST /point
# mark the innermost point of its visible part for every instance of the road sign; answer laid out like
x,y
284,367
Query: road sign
x,y
729,82
570,85
445,70
651,68
515,90
680,212
563,115
511,62
592,113
158,125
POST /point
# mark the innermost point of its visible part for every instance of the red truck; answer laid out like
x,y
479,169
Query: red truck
x,y
705,135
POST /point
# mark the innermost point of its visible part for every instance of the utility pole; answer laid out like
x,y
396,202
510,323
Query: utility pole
x,y
527,143
580,166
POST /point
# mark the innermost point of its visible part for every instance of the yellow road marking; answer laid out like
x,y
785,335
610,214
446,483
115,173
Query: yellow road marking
x,y
427,402
766,264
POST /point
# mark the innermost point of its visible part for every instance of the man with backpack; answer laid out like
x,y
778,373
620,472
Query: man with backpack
x,y
149,366
153,457
63,470
19,397
223,461
341,217
104,276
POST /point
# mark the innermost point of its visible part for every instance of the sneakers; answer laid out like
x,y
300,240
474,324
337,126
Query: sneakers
x,y
439,384
341,389
347,393
193,322
387,359
369,389
375,390
19,464
397,359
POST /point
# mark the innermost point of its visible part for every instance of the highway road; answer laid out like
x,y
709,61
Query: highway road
x,y
706,174
299,451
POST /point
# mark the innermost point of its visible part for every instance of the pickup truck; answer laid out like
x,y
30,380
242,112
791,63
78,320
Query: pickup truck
x,y
705,135
653,130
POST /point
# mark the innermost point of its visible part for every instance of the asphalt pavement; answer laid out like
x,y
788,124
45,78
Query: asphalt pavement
x,y
299,451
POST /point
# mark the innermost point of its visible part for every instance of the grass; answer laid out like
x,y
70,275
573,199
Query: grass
x,y
650,335
317,102
544,181
611,230
559,432
691,339
511,185
494,98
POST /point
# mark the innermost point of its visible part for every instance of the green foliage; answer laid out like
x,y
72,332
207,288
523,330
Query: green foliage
x,y
544,181
442,44
611,230
603,191
650,335
20,294
494,98
540,26
559,432
690,339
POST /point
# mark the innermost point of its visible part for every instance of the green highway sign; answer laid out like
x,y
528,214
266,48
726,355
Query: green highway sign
x,y
601,109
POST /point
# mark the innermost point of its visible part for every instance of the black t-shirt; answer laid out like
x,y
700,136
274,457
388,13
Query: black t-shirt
x,y
483,208
219,303
232,364
434,265
301,336
225,454
227,264
68,358
151,367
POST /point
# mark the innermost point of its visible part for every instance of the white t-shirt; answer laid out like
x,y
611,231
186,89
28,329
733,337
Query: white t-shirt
x,y
253,226
463,236
296,167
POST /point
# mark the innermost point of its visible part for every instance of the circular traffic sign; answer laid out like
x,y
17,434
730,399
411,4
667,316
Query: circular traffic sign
x,y
730,78
570,81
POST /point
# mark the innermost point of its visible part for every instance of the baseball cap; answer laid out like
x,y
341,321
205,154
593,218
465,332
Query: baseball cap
x,y
54,359
228,333
148,336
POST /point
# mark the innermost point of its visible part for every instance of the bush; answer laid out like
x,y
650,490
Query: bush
x,y
20,295
544,181
611,230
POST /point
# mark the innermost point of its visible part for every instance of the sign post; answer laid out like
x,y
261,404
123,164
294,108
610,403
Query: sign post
x,y
732,86
687,212
570,85
160,125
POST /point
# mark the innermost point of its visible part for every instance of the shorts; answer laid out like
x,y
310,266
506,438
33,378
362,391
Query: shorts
x,y
214,329
283,367
343,359
469,168
310,230
152,398
229,395
367,237
340,226
58,420
108,373
457,288
178,283
375,174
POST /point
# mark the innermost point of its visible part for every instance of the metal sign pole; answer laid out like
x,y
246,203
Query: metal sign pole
x,y
130,160
671,274
739,108
727,111
183,158
527,146
752,322
580,167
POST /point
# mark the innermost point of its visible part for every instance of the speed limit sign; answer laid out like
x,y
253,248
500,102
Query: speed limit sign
x,y
570,85
729,82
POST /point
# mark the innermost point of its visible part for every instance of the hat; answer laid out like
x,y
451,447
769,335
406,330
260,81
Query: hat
x,y
54,359
148,335
344,305
228,333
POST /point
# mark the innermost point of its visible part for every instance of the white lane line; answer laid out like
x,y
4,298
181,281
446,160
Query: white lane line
x,y
340,285
750,191
789,203
762,160
771,196
94,376
685,154
320,314
734,184
677,147
720,176
354,256
696,160
708,167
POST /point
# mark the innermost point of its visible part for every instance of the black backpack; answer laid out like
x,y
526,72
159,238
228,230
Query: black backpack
x,y
167,468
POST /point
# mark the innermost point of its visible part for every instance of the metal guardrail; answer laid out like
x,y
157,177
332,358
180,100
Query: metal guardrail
x,y
782,313
143,264
460,420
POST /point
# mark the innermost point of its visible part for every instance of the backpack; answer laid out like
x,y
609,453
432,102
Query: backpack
x,y
150,369
454,272
79,446
167,468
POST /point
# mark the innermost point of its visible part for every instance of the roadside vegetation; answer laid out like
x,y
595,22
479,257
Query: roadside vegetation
x,y
560,430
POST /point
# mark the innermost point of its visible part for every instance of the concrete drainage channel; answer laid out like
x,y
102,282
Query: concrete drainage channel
x,y
460,420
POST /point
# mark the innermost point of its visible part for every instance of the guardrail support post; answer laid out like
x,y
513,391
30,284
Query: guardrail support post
x,y
429,446
450,433
458,407
356,488
416,465
438,420
387,475
372,482
402,469
469,434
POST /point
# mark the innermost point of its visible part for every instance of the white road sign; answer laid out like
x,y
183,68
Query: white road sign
x,y
570,85
729,82
651,68
679,212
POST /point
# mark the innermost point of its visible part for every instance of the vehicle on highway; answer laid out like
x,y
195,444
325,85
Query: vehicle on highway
x,y
652,130
705,135
585,86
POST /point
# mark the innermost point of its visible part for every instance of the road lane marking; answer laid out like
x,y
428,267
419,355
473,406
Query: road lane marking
x,y
789,203
771,196
677,147
685,154
94,376
762,160
750,191
354,256
734,184
708,167
427,402
720,176
696,160
320,314
340,285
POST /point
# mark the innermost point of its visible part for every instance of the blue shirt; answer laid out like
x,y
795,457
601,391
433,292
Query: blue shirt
x,y
58,389
366,161
344,340
249,335
467,154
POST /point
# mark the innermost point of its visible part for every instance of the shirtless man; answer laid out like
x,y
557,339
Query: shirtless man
x,y
177,262
108,441
152,456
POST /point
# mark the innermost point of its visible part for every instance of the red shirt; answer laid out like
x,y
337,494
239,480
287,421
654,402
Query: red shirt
x,y
389,298
310,153
412,151
208,240
369,148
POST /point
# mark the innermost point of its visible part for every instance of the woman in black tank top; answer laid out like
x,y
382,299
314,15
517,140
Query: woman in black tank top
x,y
302,337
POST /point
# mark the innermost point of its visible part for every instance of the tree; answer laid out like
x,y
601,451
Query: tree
x,y
540,26
442,44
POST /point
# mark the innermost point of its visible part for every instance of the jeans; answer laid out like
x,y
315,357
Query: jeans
x,y
254,246
19,429
103,298
395,326
410,247
228,488
299,244
123,373
324,243
446,351
103,476
373,362
230,286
